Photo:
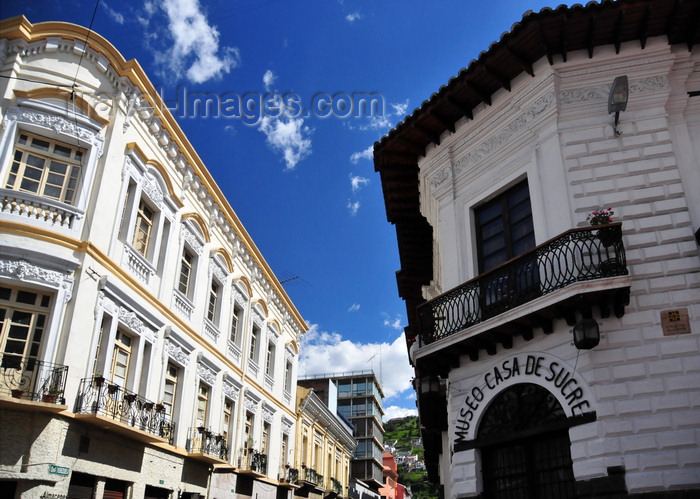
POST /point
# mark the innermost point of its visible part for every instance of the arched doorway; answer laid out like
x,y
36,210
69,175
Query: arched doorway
x,y
525,452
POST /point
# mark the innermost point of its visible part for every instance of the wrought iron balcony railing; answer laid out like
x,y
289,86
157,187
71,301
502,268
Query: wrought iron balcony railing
x,y
336,486
253,461
310,475
97,396
32,379
289,475
201,440
576,255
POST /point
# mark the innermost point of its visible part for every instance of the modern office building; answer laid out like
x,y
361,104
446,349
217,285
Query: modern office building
x,y
324,446
147,350
360,401
556,357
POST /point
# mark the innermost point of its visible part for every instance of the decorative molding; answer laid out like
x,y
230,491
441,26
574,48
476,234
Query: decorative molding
x,y
192,240
206,374
504,134
230,390
286,425
601,92
440,177
176,352
57,124
151,187
28,272
132,321
251,403
268,413
217,270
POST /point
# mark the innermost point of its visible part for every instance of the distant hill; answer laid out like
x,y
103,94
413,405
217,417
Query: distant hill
x,y
405,431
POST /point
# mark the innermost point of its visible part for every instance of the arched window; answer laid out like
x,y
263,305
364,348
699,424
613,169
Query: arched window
x,y
526,453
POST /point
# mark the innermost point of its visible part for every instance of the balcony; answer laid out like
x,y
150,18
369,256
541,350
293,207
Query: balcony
x,y
253,462
289,477
39,208
33,380
311,478
334,487
206,445
558,279
122,411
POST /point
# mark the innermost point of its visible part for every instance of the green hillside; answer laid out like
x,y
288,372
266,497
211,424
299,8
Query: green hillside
x,y
405,431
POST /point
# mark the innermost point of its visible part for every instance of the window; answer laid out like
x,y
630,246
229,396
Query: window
x,y
270,362
23,318
143,228
288,377
248,431
504,227
186,265
227,421
285,447
45,167
253,354
170,388
121,358
266,438
235,324
212,308
202,405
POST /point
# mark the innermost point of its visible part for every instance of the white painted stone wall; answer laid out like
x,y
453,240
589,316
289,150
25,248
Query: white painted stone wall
x,y
554,130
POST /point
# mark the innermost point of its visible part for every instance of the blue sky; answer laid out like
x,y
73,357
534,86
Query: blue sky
x,y
301,177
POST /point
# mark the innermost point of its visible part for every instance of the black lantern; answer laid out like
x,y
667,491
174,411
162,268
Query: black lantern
x,y
617,100
429,385
586,334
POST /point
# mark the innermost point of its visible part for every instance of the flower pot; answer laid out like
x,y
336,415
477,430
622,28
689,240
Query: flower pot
x,y
607,236
48,398
17,393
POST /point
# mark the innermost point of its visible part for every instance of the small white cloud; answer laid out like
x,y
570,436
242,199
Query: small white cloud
x,y
351,18
269,79
116,16
289,136
196,43
354,307
400,108
353,207
394,323
358,182
366,154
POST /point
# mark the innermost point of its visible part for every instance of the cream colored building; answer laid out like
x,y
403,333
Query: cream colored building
x,y
324,445
153,349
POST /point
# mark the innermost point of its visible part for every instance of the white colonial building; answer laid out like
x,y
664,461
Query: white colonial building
x,y
146,347
556,359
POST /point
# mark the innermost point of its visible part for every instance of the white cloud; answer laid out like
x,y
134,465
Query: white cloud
x,y
400,108
269,79
289,136
366,154
353,207
385,122
389,361
354,307
351,18
195,49
116,16
395,411
394,323
358,182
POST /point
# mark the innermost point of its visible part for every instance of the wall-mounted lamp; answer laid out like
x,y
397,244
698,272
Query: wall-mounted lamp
x,y
617,100
586,334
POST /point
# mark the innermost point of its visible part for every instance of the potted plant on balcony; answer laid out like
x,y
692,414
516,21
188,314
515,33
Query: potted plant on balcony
x,y
98,379
50,394
603,216
17,393
160,407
